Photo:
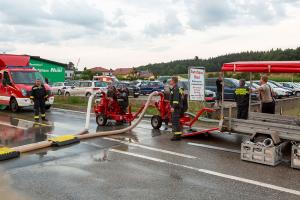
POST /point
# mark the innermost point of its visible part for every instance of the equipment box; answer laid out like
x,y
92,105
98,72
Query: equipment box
x,y
295,163
258,153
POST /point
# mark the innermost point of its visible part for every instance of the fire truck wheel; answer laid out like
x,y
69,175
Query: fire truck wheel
x,y
67,94
47,107
14,107
101,120
59,92
156,122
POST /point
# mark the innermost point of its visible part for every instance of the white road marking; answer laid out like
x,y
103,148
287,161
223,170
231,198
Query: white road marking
x,y
151,148
13,126
235,178
214,147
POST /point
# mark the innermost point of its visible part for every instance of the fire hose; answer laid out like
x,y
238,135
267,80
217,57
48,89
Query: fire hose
x,y
50,142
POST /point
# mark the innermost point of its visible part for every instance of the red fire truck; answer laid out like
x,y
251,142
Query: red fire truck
x,y
16,81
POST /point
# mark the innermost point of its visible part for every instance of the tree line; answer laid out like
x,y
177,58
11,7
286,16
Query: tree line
x,y
214,64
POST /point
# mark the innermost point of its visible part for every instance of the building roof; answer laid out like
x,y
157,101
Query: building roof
x,y
99,69
145,74
123,71
49,61
13,60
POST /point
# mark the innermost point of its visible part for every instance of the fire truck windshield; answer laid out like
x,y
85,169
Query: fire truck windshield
x,y
25,77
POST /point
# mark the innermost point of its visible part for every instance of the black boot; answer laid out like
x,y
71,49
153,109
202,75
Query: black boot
x,y
44,119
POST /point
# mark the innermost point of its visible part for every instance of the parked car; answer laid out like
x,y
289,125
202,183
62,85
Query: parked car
x,y
60,87
107,79
280,92
133,90
151,86
290,91
292,86
229,86
86,88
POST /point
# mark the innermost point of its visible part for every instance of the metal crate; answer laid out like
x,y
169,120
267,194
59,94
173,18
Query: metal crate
x,y
295,159
253,152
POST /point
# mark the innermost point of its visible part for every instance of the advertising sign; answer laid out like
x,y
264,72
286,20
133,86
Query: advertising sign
x,y
196,84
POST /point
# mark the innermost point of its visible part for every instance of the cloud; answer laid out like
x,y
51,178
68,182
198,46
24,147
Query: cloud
x,y
204,14
20,12
170,25
76,12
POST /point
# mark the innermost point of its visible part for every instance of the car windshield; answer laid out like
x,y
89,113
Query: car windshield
x,y
68,84
100,84
255,85
235,81
277,84
272,85
25,77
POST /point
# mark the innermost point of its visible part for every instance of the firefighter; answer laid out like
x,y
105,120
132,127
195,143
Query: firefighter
x,y
242,95
175,101
39,96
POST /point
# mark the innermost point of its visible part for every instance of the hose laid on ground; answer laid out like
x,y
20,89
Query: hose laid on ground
x,y
114,132
48,143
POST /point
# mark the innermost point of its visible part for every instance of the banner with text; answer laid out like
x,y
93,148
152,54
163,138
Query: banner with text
x,y
196,84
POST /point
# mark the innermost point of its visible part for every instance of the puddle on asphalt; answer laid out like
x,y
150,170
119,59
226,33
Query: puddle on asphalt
x,y
16,132
6,191
101,156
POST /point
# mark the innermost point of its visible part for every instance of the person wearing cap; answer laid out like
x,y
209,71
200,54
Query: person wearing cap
x,y
39,96
176,106
242,95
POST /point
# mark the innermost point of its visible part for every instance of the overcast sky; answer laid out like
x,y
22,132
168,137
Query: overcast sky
x,y
126,33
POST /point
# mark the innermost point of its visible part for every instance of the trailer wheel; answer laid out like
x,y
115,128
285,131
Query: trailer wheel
x,y
156,121
59,92
101,120
14,107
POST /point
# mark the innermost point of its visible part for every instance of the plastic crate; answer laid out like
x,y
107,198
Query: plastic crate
x,y
257,153
295,159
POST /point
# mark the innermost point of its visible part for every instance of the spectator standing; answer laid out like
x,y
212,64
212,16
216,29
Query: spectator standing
x,y
266,95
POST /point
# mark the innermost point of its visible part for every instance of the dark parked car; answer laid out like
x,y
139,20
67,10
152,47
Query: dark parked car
x,y
133,90
229,88
151,86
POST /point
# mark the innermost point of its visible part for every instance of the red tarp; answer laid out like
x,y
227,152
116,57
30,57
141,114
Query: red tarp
x,y
263,67
13,60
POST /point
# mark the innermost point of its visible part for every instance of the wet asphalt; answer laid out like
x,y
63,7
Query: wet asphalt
x,y
141,164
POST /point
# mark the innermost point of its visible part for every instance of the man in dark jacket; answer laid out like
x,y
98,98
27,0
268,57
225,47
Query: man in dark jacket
x,y
39,96
219,85
242,95
176,105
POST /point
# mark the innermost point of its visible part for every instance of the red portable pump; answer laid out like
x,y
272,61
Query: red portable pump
x,y
164,108
109,108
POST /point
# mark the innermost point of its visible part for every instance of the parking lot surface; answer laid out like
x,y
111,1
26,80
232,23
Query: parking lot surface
x,y
141,164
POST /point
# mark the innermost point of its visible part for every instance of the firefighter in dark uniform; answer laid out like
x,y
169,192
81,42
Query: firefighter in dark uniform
x,y
242,95
39,96
175,101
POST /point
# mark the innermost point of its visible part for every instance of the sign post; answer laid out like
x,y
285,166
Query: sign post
x,y
197,83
